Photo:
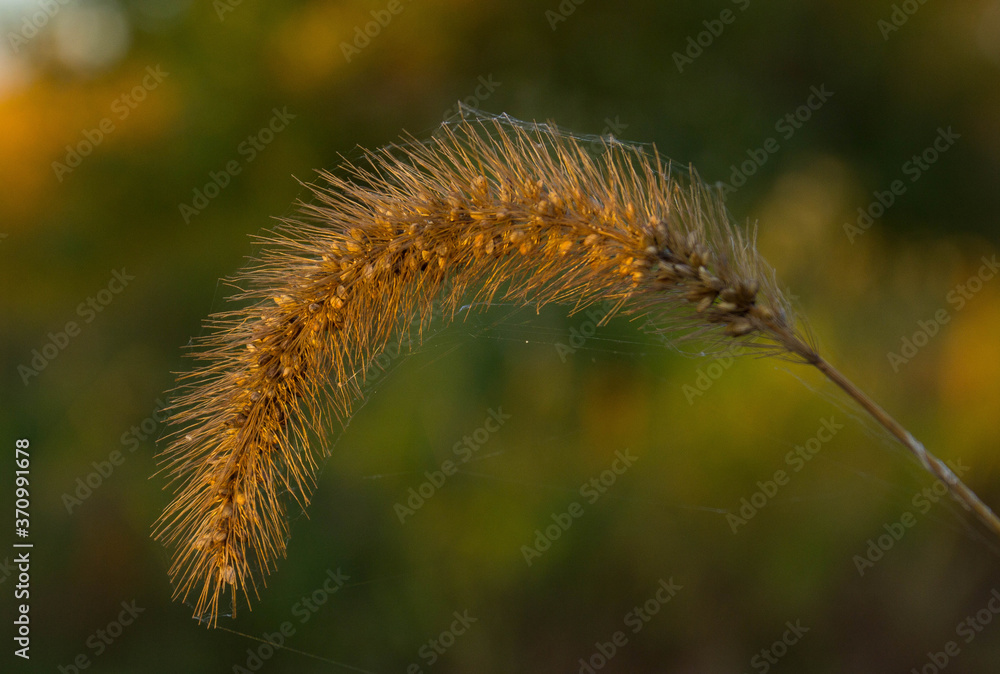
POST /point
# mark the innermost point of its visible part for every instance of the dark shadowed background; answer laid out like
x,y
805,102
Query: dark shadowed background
x,y
142,143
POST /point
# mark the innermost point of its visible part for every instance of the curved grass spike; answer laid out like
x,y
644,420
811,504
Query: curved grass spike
x,y
487,209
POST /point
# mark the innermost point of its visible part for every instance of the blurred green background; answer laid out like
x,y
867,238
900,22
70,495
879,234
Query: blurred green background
x,y
157,96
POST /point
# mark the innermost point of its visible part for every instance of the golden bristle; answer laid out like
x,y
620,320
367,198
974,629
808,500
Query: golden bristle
x,y
487,210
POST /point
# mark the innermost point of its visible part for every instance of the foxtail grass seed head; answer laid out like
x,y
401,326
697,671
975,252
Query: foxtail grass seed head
x,y
489,209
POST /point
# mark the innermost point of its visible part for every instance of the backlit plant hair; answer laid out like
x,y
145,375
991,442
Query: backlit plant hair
x,y
488,209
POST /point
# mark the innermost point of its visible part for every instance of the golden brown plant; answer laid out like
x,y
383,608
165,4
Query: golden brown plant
x,y
488,209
